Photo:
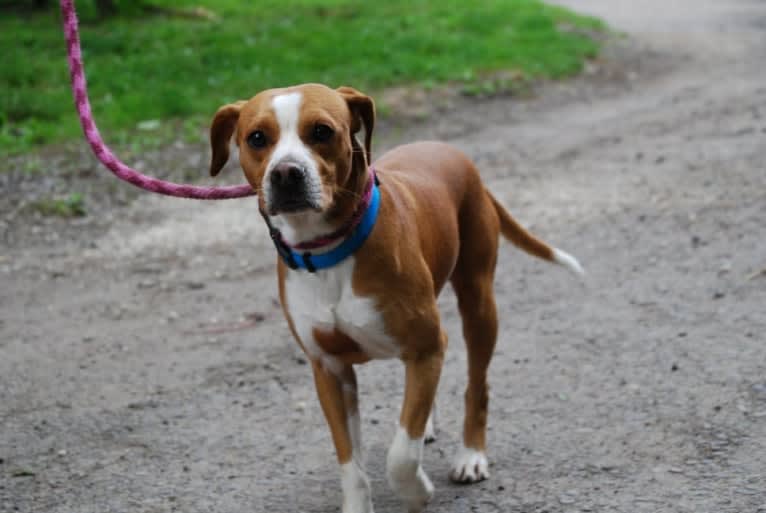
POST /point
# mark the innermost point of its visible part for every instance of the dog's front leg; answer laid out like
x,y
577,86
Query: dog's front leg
x,y
338,397
403,465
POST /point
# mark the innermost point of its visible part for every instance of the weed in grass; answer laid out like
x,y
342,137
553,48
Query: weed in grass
x,y
70,206
32,165
191,131
513,83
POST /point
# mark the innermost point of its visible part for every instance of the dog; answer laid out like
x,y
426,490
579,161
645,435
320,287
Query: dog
x,y
364,249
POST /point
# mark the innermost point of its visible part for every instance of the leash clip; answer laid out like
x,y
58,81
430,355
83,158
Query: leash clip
x,y
282,249
308,263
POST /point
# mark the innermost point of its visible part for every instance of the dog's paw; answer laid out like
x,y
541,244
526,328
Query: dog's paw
x,y
469,466
357,497
418,493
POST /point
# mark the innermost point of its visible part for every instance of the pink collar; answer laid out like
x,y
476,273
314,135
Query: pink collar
x,y
345,230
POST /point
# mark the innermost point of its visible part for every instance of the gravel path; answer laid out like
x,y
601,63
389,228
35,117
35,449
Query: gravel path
x,y
145,366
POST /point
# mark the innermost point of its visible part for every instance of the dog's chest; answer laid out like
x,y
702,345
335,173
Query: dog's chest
x,y
324,303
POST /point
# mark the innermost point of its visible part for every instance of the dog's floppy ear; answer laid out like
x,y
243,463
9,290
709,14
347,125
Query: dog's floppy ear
x,y
362,113
221,131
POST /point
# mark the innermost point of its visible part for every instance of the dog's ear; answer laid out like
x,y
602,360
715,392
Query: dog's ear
x,y
221,130
362,113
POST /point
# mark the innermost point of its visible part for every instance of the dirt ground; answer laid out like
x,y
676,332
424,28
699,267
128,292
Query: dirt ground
x,y
145,366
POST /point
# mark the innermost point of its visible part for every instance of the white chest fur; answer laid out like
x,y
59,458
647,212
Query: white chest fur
x,y
325,301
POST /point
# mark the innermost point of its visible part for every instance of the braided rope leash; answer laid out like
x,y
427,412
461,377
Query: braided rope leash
x,y
102,151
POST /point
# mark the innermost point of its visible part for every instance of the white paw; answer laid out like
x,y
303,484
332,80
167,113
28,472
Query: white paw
x,y
469,466
357,497
415,493
405,473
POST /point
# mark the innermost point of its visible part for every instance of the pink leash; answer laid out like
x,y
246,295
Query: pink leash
x,y
102,151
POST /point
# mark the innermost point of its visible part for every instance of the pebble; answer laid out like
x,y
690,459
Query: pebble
x,y
568,497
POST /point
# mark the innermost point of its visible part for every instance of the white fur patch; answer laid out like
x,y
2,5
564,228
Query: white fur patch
x,y
302,226
430,433
405,473
568,261
357,497
325,300
287,109
469,466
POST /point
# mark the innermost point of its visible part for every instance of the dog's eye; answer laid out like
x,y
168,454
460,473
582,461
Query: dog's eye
x,y
257,140
322,133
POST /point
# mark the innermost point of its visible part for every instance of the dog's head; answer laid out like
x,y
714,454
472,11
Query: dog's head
x,y
297,145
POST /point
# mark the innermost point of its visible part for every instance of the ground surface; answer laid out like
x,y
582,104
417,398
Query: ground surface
x,y
144,365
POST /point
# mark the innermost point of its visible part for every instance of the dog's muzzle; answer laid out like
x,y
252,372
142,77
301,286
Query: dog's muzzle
x,y
290,189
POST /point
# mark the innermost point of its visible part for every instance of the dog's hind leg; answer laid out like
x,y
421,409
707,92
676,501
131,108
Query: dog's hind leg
x,y
472,281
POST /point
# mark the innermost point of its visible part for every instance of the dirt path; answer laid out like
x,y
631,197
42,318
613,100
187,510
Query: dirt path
x,y
146,368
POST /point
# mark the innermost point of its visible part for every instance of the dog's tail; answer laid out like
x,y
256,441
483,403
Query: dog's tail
x,y
521,238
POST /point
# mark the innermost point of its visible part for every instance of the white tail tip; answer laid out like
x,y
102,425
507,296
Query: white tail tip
x,y
568,261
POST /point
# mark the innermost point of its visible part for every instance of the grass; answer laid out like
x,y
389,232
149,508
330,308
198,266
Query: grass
x,y
69,206
147,68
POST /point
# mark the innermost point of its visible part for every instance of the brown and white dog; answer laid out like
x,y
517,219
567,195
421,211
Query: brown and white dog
x,y
436,223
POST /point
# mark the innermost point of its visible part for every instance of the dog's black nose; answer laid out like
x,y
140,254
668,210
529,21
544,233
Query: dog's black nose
x,y
287,176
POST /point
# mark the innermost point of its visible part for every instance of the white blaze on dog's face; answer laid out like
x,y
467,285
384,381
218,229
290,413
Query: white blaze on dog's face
x,y
291,166
296,147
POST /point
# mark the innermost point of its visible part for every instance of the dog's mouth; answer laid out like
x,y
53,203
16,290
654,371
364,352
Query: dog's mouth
x,y
293,206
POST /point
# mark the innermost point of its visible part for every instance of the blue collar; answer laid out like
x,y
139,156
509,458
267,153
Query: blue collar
x,y
348,247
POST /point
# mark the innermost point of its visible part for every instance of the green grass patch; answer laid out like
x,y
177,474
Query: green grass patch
x,y
146,66
69,206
